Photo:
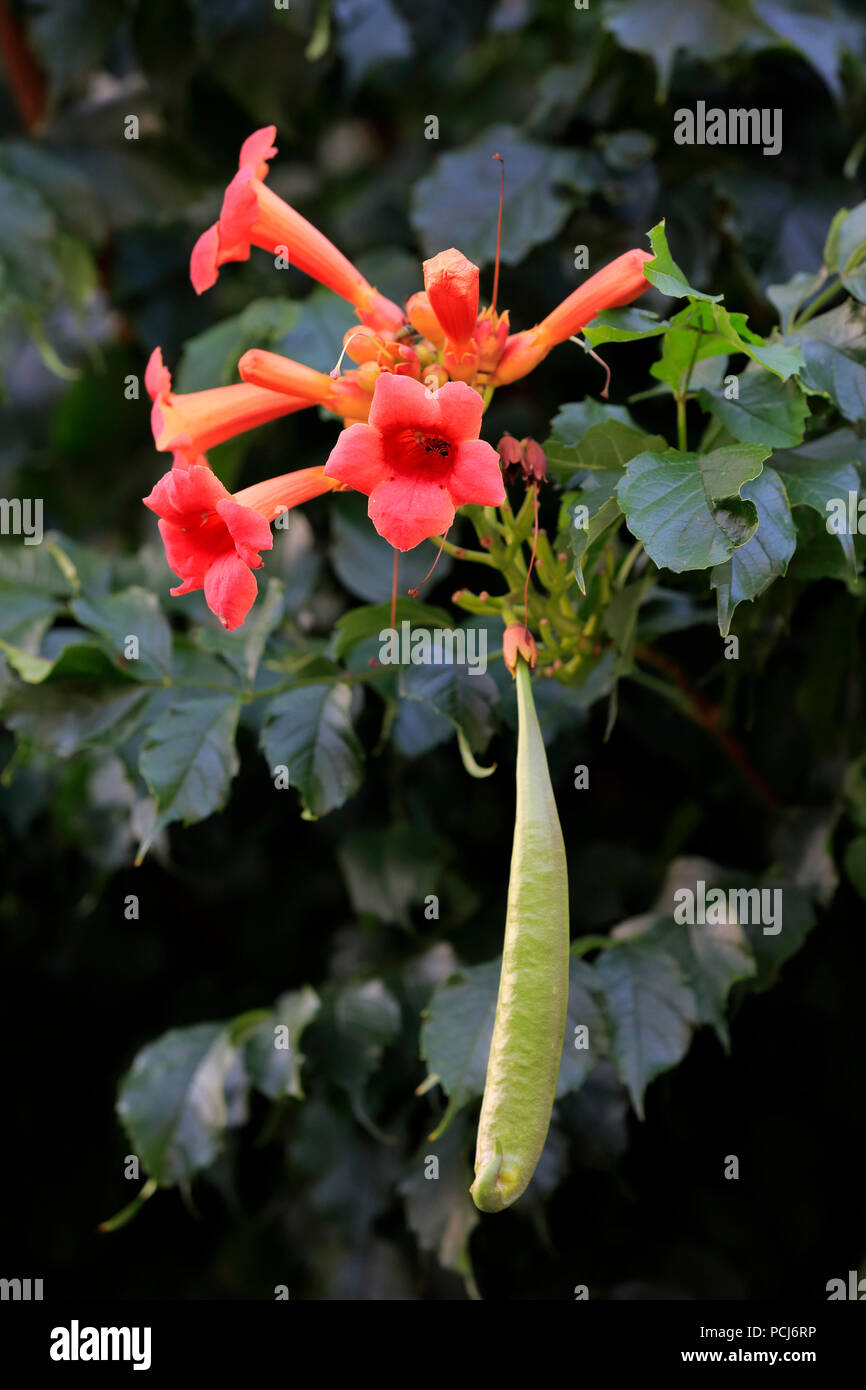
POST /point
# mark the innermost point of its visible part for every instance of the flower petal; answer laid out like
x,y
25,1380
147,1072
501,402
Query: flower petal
x,y
249,531
157,378
257,149
184,496
230,590
476,475
358,459
406,510
400,403
204,260
461,409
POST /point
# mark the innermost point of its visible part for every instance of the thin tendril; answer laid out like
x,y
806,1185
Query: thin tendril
x,y
531,558
414,592
394,589
498,233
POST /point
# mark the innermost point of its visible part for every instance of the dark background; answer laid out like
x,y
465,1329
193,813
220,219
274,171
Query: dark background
x,y
251,902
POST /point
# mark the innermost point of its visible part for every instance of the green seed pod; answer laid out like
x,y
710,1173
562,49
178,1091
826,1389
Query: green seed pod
x,y
529,1027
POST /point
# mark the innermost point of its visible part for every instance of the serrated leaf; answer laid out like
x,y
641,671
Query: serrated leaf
x,y
764,411
687,508
665,274
652,1011
309,730
189,757
753,566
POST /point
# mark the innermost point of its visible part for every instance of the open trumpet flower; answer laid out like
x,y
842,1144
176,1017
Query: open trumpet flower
x,y
213,538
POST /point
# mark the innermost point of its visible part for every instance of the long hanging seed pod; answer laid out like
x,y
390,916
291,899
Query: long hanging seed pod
x,y
529,1027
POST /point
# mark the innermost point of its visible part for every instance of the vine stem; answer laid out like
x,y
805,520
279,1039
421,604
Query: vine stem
x,y
827,293
709,717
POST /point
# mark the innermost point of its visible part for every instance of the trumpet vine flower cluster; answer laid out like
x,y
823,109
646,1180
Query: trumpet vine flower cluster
x,y
411,407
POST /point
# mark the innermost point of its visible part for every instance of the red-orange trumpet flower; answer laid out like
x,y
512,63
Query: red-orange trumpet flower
x,y
254,216
212,539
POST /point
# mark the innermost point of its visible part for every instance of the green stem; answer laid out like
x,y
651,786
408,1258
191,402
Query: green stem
x,y
827,293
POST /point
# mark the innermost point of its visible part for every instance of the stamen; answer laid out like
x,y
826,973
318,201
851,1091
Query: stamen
x,y
360,333
413,593
600,360
498,234
531,559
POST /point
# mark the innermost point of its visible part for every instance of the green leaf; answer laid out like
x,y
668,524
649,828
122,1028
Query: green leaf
x,y
370,32
652,1011
270,1049
316,336
753,566
456,1034
78,701
211,358
624,326
687,508
665,274
570,426
457,204
189,757
765,410
133,612
308,730
174,1101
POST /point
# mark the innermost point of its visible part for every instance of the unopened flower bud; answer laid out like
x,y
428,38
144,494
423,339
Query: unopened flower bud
x,y
518,641
535,461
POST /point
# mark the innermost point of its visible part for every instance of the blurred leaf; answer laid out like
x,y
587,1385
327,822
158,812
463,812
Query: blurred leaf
x,y
439,1210
211,358
706,29
834,352
72,37
457,204
270,1050
173,1101
387,870
370,32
